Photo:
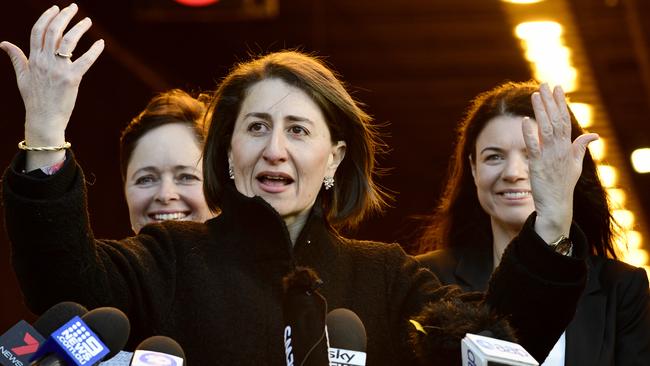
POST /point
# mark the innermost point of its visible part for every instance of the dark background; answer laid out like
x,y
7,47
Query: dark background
x,y
414,63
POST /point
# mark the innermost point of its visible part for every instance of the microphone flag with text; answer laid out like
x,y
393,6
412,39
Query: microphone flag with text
x,y
158,351
85,341
484,350
305,309
22,341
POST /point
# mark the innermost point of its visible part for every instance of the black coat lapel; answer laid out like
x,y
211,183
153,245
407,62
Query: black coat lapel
x,y
585,334
474,268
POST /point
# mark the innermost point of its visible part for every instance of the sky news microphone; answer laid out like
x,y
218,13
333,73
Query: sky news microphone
x,y
483,350
157,351
347,338
21,342
304,310
86,340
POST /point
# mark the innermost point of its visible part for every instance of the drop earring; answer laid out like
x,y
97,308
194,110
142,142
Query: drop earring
x,y
328,182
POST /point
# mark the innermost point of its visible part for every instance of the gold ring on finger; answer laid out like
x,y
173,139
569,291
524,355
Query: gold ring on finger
x,y
63,55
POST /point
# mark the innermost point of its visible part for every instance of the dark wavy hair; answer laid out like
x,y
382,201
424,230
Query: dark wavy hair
x,y
459,218
173,106
356,193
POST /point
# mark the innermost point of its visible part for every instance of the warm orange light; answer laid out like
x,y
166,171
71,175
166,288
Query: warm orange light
x,y
625,218
597,149
608,175
196,3
616,197
583,113
641,160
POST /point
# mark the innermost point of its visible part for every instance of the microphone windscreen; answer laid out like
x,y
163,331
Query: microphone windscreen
x,y
57,315
162,344
112,327
345,330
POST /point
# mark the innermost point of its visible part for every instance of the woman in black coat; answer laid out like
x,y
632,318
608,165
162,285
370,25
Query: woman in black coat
x,y
486,202
289,160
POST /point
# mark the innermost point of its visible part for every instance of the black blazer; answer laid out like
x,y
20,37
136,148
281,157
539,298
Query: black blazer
x,y
612,322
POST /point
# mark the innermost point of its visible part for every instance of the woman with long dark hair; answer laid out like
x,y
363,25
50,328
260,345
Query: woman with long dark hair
x,y
487,200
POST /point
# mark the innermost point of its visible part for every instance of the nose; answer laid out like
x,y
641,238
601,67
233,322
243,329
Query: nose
x,y
516,168
275,151
167,191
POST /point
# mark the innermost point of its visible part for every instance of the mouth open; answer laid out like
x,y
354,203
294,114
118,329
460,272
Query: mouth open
x,y
274,180
169,216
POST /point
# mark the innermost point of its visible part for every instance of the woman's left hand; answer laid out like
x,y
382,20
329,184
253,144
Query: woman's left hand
x,y
555,162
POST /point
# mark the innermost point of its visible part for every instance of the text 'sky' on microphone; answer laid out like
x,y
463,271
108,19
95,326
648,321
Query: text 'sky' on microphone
x,y
347,338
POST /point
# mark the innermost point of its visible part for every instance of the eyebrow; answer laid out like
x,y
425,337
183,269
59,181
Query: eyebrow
x,y
498,149
267,117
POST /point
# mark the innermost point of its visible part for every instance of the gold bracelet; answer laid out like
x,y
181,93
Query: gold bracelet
x,y
22,146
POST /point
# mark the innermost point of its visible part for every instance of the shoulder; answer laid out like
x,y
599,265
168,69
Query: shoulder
x,y
439,259
613,273
370,249
180,234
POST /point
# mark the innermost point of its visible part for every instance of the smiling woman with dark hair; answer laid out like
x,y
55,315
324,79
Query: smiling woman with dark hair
x,y
290,161
485,204
160,160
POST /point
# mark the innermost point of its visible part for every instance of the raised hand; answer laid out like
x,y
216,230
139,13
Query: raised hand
x,y
49,80
555,162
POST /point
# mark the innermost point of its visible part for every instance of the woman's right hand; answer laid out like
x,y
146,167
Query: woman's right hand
x,y
555,162
49,82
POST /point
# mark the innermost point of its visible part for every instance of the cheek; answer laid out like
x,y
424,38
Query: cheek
x,y
137,200
314,167
195,197
485,177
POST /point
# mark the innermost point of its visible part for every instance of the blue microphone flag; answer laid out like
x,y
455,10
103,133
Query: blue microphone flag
x,y
75,343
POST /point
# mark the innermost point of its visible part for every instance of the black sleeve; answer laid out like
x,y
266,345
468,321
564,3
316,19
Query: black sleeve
x,y
537,288
57,258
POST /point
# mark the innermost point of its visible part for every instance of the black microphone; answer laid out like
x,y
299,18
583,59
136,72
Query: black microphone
x,y
158,350
21,341
437,332
97,335
59,314
305,309
347,338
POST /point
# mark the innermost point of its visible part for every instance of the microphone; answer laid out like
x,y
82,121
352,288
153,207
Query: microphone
x,y
305,309
20,342
347,338
59,314
158,350
483,350
98,334
438,330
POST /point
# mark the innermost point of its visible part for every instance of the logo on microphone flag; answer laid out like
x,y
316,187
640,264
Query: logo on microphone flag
x,y
31,345
76,343
152,358
18,344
